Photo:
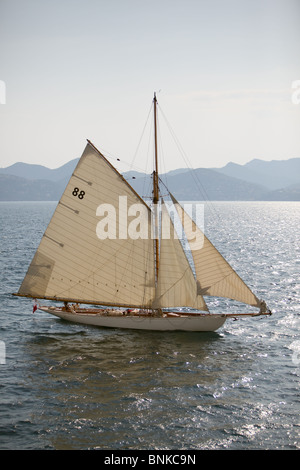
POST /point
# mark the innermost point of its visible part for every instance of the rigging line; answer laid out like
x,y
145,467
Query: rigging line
x,y
189,165
110,157
146,176
139,143
179,146
150,142
161,149
147,190
130,166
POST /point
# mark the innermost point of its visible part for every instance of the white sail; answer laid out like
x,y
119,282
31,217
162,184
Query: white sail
x,y
215,277
73,262
176,285
94,252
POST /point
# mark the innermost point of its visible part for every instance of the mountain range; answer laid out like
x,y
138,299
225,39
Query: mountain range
x,y
257,180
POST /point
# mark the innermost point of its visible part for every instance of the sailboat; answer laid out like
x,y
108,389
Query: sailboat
x,y
108,269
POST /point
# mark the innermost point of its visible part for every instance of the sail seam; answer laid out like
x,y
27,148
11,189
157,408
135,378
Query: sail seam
x,y
82,179
68,207
55,241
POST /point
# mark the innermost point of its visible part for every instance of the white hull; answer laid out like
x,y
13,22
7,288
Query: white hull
x,y
170,322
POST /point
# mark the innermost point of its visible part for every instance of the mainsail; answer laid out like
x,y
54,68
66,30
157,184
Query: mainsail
x,y
72,263
215,277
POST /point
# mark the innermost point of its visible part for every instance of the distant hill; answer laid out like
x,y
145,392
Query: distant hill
x,y
204,184
290,193
273,175
254,181
39,172
15,188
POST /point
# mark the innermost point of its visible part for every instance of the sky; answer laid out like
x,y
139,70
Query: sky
x,y
223,71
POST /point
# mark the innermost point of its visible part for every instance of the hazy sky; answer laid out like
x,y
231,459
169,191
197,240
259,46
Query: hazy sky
x,y
78,69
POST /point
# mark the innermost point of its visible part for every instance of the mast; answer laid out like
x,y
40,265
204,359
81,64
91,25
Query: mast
x,y
156,188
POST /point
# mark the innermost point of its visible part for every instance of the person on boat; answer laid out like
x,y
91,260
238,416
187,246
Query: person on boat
x,y
264,308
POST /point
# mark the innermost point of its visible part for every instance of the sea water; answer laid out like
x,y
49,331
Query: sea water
x,y
68,386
